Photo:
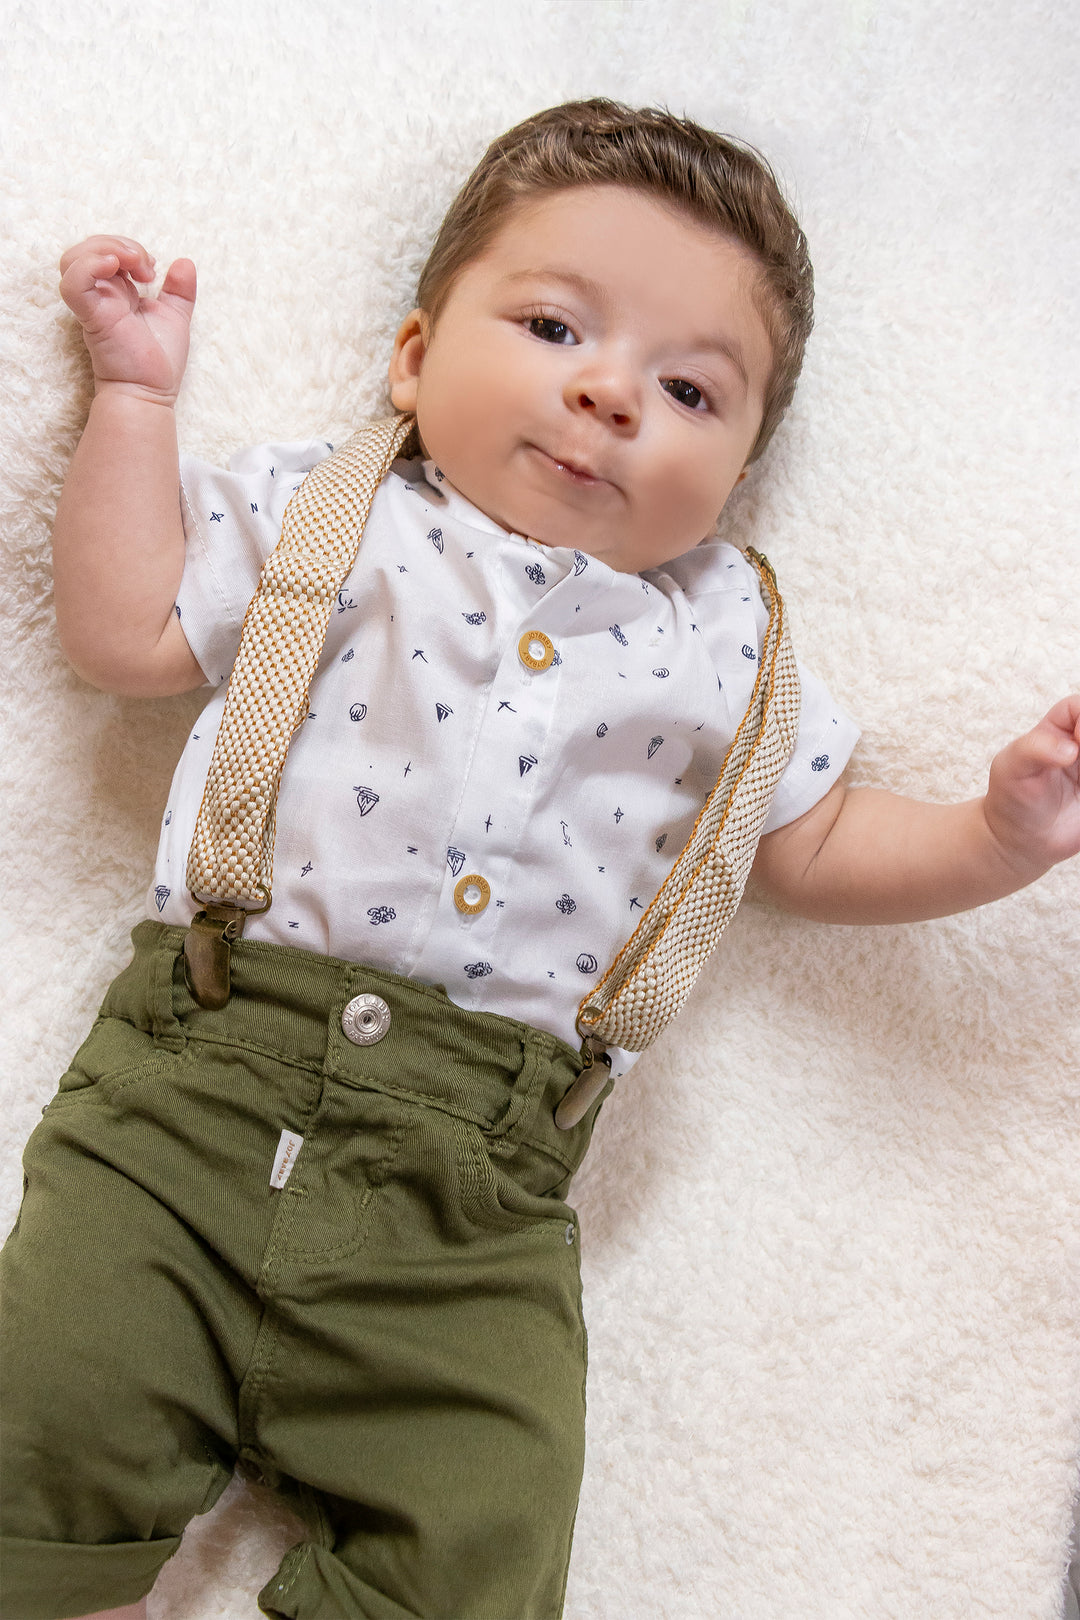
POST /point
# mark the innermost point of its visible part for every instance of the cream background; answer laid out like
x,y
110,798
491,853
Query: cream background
x,y
832,1221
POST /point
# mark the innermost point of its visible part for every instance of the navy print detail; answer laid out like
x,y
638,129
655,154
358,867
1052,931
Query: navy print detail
x,y
565,835
442,710
455,859
586,963
254,508
306,868
821,763
168,818
435,536
526,763
176,610
367,799
660,842
161,894
602,729
381,914
536,573
216,517
661,674
580,563
418,652
346,656
294,924
440,475
619,815
504,705
475,618
556,659
655,743
748,652
477,970
344,603
271,472
487,824
407,769
566,906
358,711
636,902
617,633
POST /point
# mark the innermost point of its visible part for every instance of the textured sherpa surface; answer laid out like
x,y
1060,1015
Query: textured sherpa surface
x,y
832,1221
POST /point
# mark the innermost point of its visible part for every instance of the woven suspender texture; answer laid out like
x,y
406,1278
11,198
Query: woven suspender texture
x,y
655,970
231,855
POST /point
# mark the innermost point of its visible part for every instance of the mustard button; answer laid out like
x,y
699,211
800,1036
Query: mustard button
x,y
536,650
472,893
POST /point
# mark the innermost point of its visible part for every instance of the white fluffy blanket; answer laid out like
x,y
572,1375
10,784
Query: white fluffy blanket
x,y
832,1221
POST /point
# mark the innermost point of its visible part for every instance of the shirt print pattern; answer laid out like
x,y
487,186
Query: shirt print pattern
x,y
431,751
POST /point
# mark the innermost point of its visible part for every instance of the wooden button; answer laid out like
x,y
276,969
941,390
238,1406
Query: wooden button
x,y
472,893
536,650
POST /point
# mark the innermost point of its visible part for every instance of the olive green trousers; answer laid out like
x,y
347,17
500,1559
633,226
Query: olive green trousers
x,y
348,1268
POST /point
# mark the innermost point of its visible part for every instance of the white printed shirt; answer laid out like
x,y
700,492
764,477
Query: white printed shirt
x,y
431,752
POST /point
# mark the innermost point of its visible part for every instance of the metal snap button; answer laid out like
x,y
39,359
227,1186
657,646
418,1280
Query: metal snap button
x,y
536,650
365,1019
472,893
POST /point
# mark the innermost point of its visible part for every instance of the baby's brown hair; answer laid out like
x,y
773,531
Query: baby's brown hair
x,y
720,182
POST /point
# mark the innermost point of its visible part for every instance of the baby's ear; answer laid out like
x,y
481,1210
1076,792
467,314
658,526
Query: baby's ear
x,y
410,346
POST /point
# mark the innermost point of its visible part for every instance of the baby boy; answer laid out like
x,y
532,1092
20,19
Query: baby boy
x,y
339,1253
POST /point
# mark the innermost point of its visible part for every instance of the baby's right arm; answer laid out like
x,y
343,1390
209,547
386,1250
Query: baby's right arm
x,y
118,541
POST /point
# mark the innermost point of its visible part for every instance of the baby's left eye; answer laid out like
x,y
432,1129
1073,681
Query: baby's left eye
x,y
551,330
684,392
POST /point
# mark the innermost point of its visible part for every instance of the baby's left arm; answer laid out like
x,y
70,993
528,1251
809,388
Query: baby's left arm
x,y
866,856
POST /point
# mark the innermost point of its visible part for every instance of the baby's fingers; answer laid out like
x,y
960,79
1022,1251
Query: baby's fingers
x,y
1054,744
130,256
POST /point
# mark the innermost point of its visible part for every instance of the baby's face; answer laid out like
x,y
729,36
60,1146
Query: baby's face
x,y
596,378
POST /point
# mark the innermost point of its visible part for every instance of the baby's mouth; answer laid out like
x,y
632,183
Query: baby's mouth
x,y
577,472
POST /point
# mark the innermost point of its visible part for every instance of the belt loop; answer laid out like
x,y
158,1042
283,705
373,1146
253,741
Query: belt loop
x,y
163,968
508,1129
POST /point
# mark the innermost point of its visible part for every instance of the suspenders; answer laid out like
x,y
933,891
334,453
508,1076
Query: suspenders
x,y
230,864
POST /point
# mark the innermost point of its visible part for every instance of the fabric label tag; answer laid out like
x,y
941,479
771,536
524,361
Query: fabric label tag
x,y
288,1147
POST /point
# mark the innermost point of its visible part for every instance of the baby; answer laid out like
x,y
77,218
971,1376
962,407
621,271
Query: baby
x,y
317,1226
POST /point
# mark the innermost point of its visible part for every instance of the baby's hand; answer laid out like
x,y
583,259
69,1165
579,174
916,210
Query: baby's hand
x,y
136,342
1032,805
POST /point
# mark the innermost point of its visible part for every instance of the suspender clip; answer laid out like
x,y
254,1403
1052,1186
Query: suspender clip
x,y
208,951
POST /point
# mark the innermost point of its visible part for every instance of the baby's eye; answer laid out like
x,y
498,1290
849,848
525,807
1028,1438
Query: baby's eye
x,y
684,392
551,330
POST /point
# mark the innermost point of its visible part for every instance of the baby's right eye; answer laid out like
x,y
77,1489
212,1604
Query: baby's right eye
x,y
550,330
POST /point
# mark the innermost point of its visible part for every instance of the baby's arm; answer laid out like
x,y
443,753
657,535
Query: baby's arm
x,y
118,541
865,856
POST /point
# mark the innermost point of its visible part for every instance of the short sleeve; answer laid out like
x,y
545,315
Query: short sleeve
x,y
724,593
232,521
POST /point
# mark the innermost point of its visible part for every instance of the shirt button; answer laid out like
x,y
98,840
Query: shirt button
x,y
472,893
365,1019
536,650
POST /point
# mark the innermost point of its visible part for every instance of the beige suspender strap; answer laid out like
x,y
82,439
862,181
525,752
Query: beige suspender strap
x,y
653,973
230,863
232,853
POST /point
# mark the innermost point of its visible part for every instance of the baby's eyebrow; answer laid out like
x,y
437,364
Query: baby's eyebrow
x,y
572,278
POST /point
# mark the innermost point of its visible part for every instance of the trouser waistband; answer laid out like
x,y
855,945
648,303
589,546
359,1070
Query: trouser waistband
x,y
504,1075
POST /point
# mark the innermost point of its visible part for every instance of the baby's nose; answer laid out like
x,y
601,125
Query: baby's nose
x,y
608,396
587,403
